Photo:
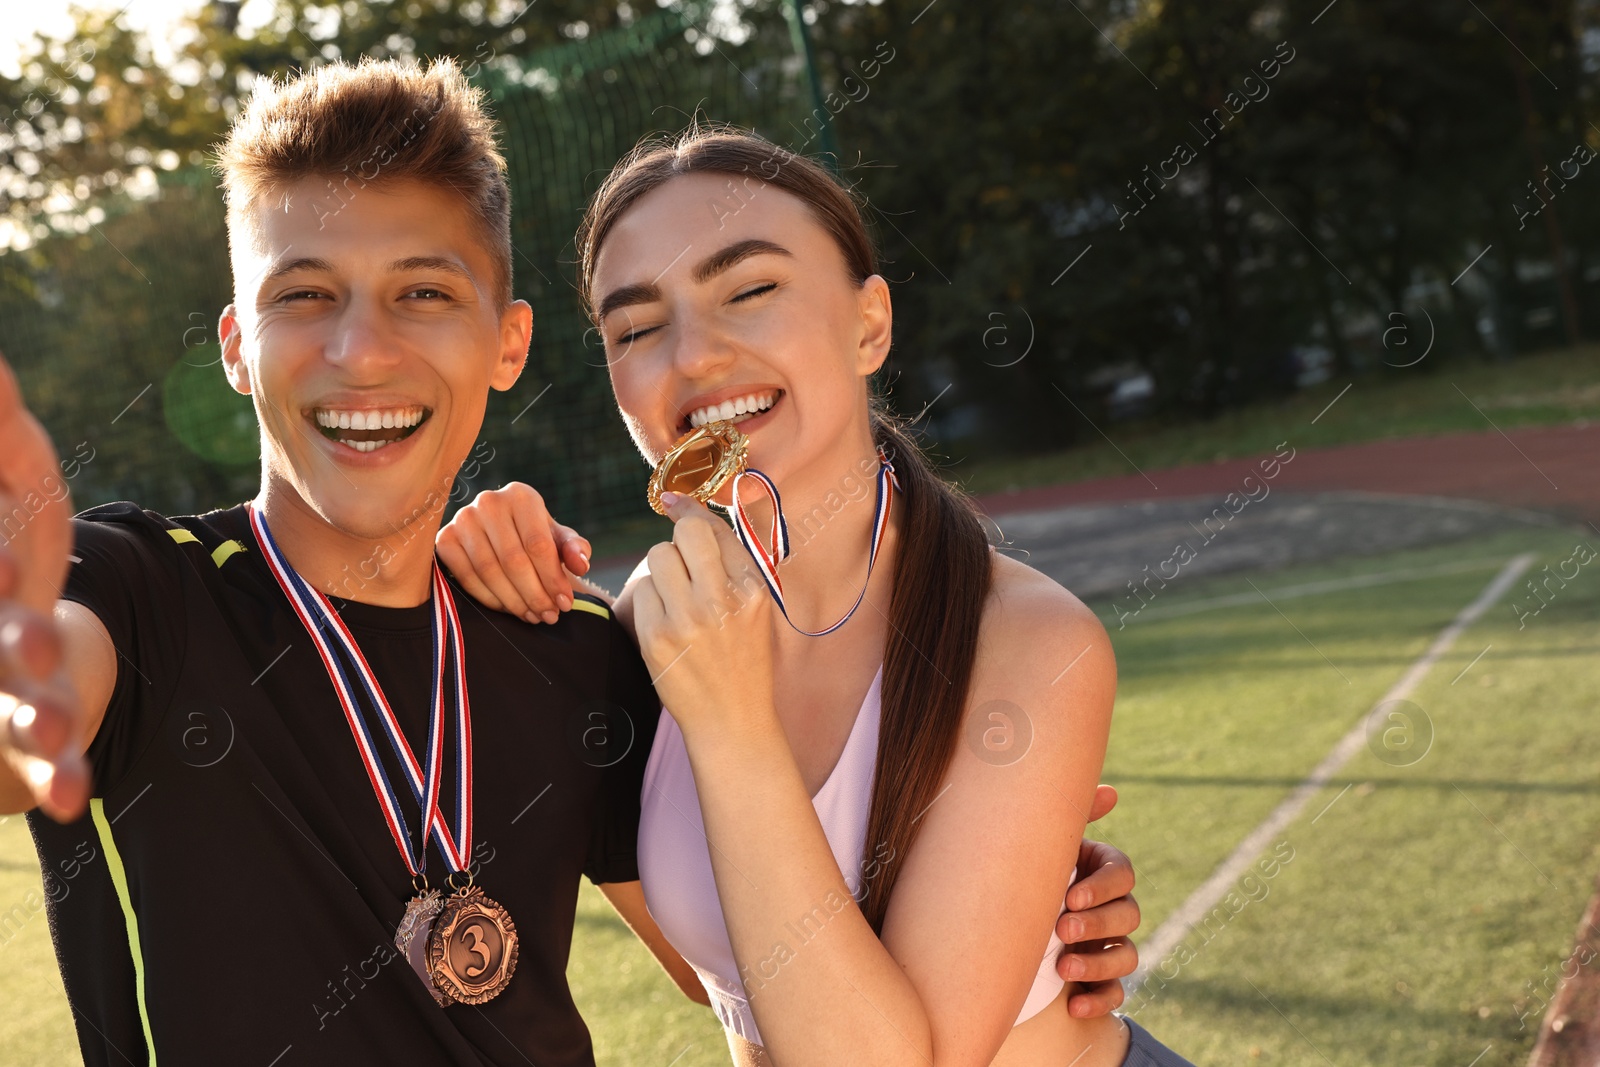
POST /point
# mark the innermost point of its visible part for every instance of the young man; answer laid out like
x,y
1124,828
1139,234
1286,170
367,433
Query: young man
x,y
292,726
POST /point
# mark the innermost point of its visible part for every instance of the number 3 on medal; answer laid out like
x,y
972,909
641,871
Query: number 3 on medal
x,y
477,949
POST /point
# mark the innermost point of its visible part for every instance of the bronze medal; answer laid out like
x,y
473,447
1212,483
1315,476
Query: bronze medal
x,y
700,463
412,936
472,948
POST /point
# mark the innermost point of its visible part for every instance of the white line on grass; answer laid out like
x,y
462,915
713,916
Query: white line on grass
x,y
1332,585
1239,861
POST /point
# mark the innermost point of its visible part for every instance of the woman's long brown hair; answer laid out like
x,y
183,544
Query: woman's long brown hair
x,y
942,572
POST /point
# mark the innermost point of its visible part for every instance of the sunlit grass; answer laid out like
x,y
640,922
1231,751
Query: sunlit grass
x,y
1426,906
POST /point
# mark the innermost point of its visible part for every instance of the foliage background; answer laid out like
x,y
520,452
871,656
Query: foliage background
x,y
1002,148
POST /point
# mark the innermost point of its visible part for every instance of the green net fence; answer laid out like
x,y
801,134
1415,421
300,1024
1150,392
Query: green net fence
x,y
112,331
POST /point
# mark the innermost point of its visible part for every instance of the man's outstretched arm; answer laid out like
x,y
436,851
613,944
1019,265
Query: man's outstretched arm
x,y
57,664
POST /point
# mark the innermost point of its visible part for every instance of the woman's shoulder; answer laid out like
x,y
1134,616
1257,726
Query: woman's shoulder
x,y
1035,633
1025,601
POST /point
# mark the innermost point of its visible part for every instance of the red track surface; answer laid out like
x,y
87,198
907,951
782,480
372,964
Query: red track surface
x,y
1548,469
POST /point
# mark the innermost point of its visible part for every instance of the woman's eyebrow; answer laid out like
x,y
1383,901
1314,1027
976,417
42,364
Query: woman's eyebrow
x,y
705,270
627,296
721,260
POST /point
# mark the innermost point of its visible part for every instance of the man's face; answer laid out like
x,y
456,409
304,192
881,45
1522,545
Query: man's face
x,y
369,339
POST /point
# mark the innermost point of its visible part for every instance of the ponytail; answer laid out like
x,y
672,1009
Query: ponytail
x,y
941,583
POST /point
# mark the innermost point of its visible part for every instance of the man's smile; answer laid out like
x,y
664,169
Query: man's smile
x,y
369,429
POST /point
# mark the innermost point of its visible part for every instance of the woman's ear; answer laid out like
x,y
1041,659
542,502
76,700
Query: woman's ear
x,y
877,325
230,334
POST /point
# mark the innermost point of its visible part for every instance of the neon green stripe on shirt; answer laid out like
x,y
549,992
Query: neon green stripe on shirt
x,y
119,878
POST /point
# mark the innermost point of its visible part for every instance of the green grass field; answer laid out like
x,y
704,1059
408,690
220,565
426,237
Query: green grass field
x,y
1424,908
1424,905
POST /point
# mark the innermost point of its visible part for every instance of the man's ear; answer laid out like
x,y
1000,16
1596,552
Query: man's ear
x,y
230,334
877,325
516,332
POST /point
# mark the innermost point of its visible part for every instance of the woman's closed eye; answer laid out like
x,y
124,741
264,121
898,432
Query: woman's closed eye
x,y
638,333
633,335
754,291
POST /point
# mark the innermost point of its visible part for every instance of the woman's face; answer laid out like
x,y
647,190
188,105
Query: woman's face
x,y
715,306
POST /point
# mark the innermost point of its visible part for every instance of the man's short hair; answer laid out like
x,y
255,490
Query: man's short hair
x,y
374,122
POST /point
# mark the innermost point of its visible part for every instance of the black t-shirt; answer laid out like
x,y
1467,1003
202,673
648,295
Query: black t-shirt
x,y
232,894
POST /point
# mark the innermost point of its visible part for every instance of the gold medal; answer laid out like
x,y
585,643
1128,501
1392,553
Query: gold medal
x,y
700,463
472,948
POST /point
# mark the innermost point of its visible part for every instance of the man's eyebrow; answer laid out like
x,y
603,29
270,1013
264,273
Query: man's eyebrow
x,y
439,263
627,296
292,266
719,261
410,263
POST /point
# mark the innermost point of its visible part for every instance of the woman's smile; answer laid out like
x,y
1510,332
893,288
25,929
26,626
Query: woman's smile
x,y
746,404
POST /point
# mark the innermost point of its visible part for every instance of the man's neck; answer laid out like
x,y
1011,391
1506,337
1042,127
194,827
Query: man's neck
x,y
393,571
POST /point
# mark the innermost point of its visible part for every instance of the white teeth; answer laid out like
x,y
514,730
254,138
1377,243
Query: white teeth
x,y
365,419
733,409
365,446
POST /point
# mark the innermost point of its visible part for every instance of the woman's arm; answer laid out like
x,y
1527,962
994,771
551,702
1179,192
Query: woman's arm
x,y
628,899
979,894
509,553
482,545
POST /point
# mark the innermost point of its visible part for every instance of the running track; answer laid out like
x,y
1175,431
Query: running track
x,y
1555,470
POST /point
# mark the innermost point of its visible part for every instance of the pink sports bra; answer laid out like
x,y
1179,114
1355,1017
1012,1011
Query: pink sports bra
x,y
675,862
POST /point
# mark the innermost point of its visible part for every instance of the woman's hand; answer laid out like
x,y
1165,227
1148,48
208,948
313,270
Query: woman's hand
x,y
703,618
506,550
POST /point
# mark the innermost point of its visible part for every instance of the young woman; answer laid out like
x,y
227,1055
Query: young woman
x,y
855,839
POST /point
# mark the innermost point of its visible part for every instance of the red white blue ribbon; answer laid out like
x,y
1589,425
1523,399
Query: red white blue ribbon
x,y
768,562
352,678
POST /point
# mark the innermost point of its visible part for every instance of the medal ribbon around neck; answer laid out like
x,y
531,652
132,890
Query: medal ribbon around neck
x,y
329,634
767,562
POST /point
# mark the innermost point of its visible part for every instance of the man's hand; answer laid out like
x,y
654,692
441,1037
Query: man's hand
x,y
1096,927
508,553
40,719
